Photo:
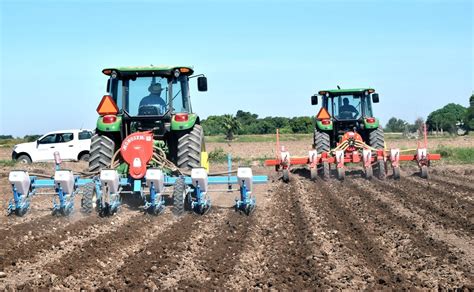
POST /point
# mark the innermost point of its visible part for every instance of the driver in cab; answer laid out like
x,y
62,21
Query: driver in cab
x,y
347,111
152,100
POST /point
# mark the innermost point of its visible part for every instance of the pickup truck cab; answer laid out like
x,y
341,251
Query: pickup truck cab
x,y
72,145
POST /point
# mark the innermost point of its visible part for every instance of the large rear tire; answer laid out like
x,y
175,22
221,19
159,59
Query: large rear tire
x,y
190,146
101,153
376,139
321,142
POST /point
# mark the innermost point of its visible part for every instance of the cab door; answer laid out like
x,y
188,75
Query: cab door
x,y
45,149
66,146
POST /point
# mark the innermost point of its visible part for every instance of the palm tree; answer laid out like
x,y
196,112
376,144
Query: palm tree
x,y
231,126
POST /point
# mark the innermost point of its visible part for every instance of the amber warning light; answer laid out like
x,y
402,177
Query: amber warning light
x,y
107,106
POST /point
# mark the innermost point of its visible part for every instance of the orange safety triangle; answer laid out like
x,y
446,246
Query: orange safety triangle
x,y
323,114
107,106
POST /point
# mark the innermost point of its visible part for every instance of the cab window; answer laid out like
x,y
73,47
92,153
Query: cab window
x,y
63,138
84,135
48,139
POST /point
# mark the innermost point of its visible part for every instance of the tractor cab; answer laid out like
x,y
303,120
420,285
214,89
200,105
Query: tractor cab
x,y
344,110
150,98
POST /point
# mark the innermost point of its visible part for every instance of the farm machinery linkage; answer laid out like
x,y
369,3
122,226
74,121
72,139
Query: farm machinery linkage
x,y
352,150
102,192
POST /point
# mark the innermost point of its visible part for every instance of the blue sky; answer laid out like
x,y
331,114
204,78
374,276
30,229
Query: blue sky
x,y
259,56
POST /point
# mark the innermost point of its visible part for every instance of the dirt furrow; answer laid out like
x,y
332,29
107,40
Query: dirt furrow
x,y
463,243
446,210
162,256
291,261
429,260
24,241
31,273
429,187
101,255
248,271
354,234
220,251
461,183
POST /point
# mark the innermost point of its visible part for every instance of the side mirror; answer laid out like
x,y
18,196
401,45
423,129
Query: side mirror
x,y
202,83
314,100
375,97
37,143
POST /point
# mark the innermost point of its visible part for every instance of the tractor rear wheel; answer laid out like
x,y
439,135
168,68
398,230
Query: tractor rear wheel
x,y
376,139
190,146
101,153
322,141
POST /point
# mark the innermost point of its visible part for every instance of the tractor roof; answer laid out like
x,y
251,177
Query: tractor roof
x,y
161,70
348,90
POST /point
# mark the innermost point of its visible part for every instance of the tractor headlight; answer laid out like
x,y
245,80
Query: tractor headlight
x,y
113,75
176,73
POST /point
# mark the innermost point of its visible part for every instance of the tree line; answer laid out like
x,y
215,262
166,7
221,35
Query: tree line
x,y
452,118
246,123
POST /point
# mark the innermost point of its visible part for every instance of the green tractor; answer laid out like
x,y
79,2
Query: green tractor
x,y
343,111
152,99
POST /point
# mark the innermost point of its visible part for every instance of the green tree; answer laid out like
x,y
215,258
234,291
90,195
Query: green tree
x,y
446,118
231,126
469,119
396,125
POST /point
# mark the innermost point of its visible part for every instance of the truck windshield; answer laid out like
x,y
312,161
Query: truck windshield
x,y
146,96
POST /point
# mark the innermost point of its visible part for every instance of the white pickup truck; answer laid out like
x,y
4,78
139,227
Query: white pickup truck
x,y
72,145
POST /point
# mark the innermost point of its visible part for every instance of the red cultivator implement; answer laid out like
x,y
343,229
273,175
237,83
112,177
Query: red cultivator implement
x,y
352,149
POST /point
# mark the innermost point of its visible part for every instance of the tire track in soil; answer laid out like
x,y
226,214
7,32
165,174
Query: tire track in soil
x,y
162,256
436,207
426,256
357,237
291,262
30,274
216,255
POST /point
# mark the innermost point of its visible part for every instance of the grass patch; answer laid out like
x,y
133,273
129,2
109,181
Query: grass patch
x,y
461,155
7,162
217,155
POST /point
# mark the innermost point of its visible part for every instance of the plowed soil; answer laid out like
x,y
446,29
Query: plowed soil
x,y
356,234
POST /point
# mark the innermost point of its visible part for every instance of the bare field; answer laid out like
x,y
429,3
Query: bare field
x,y
255,150
358,234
